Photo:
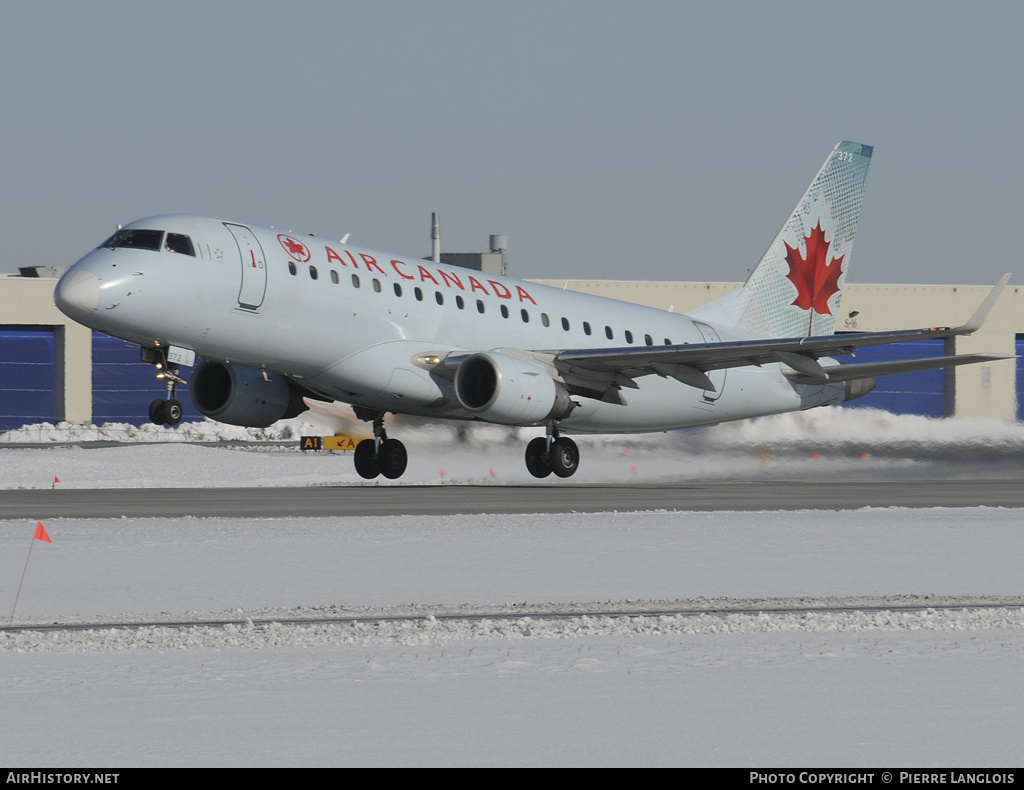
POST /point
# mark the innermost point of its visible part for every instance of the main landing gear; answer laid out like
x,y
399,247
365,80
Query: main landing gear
x,y
380,455
383,456
552,453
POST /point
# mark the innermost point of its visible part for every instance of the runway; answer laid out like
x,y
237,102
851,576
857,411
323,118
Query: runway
x,y
371,500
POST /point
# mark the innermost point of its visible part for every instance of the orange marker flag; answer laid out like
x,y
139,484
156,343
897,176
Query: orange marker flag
x,y
41,533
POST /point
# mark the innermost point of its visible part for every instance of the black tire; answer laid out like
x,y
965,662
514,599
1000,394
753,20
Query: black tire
x,y
157,412
173,412
537,463
392,458
366,459
564,457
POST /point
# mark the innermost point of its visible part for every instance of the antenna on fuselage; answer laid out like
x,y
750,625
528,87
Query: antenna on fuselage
x,y
435,238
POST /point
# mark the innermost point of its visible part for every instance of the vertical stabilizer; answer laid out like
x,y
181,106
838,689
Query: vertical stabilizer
x,y
795,290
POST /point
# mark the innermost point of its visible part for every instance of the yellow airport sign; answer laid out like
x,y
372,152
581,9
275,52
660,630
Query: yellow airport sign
x,y
339,442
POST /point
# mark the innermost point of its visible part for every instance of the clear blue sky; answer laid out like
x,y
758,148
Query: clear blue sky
x,y
637,140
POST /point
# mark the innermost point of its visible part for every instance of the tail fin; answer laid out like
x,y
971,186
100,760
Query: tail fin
x,y
795,290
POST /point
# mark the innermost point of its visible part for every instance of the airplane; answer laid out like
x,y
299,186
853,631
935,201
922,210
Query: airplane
x,y
281,321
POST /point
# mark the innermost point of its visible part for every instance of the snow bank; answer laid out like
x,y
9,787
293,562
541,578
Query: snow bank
x,y
430,630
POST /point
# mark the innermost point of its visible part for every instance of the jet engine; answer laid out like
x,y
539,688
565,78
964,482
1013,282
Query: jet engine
x,y
858,388
243,396
505,389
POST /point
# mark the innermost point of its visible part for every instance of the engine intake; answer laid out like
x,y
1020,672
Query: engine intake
x,y
243,396
505,389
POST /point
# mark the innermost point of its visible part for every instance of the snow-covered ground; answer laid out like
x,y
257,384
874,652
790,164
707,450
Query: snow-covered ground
x,y
927,689
820,443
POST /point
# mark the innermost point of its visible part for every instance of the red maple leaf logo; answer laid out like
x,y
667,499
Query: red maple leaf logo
x,y
816,280
295,248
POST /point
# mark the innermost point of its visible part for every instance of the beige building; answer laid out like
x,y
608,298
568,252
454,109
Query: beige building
x,y
988,390
28,301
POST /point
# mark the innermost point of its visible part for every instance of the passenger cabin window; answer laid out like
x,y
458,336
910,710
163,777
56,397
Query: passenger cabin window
x,y
629,337
504,311
312,272
176,242
586,327
565,324
334,276
135,238
355,280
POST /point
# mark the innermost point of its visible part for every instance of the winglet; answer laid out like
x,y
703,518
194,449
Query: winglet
x,y
975,321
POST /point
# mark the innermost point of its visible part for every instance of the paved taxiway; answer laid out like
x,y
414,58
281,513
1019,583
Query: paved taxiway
x,y
370,500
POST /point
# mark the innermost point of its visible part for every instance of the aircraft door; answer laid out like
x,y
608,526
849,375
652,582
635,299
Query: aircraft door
x,y
254,267
717,376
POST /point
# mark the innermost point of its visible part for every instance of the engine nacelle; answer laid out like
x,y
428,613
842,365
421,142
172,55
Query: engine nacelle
x,y
505,389
243,396
858,388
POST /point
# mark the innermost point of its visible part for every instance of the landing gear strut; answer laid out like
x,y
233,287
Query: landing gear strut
x,y
552,453
380,455
169,411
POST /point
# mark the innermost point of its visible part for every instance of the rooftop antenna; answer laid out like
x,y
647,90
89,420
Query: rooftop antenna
x,y
435,238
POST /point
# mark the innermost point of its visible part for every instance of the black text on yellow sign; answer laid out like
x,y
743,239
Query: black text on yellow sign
x,y
341,442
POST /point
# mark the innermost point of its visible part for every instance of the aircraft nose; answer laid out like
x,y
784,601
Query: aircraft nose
x,y
77,293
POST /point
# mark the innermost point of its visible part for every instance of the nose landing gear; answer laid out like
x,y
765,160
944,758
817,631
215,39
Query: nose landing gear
x,y
169,411
165,412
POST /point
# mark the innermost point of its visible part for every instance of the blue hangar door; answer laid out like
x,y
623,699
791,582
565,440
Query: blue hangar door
x,y
1019,349
26,376
921,393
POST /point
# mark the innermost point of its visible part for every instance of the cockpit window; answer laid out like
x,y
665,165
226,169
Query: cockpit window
x,y
176,242
136,239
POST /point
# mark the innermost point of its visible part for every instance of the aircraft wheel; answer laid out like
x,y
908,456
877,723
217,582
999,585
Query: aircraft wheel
x,y
173,412
537,457
564,457
392,458
157,413
366,459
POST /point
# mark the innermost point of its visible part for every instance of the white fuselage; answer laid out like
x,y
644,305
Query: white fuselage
x,y
355,325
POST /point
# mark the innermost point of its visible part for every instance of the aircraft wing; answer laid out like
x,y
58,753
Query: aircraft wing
x,y
607,370
865,370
